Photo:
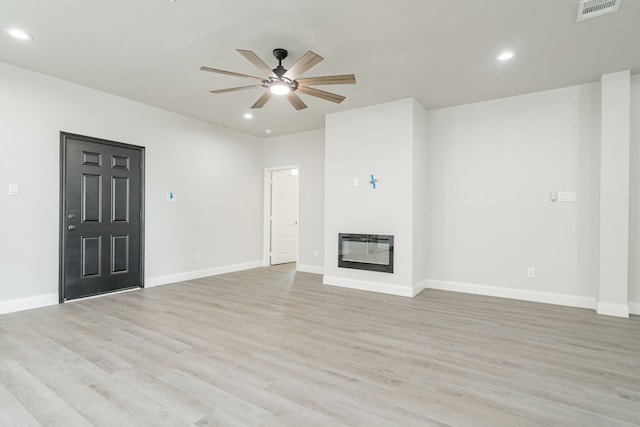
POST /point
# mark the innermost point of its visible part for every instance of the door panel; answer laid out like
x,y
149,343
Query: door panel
x,y
120,197
101,217
91,198
91,256
119,254
284,217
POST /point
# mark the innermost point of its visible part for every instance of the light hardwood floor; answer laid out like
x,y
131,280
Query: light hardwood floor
x,y
272,347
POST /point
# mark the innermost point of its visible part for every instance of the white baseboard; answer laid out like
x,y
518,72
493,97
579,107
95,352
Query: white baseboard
x,y
362,285
28,303
634,308
617,310
520,294
419,287
191,275
310,268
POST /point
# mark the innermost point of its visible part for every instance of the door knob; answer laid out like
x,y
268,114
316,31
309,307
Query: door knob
x,y
71,227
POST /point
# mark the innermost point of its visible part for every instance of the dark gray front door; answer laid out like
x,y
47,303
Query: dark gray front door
x,y
101,216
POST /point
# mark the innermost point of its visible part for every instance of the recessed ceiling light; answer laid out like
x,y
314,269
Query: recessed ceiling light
x,y
268,131
505,56
248,116
19,34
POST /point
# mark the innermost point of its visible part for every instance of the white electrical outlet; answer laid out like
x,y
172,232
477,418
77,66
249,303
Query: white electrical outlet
x,y
198,256
315,253
531,272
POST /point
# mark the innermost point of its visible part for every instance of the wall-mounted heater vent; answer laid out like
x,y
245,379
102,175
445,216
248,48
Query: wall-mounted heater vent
x,y
594,8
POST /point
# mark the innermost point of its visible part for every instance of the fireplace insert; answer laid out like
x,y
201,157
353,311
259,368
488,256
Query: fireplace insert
x,y
372,252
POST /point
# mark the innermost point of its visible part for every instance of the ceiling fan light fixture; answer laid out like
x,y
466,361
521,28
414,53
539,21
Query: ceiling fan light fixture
x,y
280,88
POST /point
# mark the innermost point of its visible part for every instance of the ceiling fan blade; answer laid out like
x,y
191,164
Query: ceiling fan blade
x,y
229,73
321,94
344,79
307,61
255,60
266,96
234,89
296,101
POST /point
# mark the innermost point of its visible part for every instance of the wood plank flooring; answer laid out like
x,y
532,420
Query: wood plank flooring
x,y
272,347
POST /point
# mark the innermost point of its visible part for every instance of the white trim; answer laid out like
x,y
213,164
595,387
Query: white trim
x,y
315,269
520,294
45,300
634,308
28,303
419,287
266,220
190,275
362,285
616,310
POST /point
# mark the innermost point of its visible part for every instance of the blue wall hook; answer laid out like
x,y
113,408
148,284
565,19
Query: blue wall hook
x,y
373,181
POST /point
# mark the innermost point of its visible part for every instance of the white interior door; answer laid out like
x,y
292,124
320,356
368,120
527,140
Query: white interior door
x,y
284,216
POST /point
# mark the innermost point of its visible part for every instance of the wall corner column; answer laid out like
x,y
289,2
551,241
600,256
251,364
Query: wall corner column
x,y
613,284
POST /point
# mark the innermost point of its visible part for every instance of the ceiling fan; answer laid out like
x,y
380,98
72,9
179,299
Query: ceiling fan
x,y
280,81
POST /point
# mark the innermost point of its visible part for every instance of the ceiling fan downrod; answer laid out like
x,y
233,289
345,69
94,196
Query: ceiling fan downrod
x,y
280,54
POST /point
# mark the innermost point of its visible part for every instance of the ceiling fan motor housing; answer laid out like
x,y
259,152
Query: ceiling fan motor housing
x,y
279,71
293,85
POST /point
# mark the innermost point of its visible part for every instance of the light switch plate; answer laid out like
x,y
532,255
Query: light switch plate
x,y
14,190
566,196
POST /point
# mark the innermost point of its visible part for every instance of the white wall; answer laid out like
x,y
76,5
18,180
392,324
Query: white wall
x,y
634,199
491,166
307,151
217,174
372,140
488,169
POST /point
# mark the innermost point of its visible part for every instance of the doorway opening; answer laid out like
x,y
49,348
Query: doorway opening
x,y
281,215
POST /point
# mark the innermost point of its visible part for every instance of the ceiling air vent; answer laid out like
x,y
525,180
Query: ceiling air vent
x,y
594,8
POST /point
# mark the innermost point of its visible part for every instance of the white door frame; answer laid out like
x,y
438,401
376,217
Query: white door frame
x,y
266,236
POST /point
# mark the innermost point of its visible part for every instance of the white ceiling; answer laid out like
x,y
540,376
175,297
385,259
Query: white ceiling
x,y
442,53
